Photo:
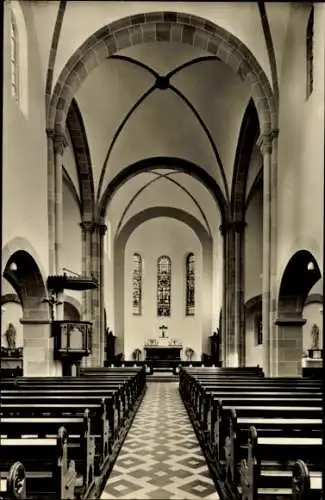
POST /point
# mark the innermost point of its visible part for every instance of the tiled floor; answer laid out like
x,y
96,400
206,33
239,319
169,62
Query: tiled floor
x,y
161,457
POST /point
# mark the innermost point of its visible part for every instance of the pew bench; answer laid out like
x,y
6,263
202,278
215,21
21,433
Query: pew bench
x,y
267,470
305,485
48,472
13,482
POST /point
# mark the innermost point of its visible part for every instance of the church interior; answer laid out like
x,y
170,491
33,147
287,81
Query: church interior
x,y
162,250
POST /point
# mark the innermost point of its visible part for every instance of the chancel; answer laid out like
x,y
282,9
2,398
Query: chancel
x,y
162,250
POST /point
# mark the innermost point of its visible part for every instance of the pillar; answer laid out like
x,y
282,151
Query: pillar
x,y
239,285
290,341
229,339
38,356
265,144
59,144
93,300
87,228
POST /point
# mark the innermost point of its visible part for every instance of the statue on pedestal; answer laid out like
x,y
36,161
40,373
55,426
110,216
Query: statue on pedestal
x,y
11,334
315,337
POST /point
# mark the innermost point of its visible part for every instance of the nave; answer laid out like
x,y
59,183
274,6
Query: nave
x,y
161,457
109,433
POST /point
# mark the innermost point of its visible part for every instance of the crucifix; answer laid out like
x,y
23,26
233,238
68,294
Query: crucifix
x,y
52,301
163,328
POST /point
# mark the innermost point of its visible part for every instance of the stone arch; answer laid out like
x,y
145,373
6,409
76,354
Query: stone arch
x,y
72,308
27,280
162,26
300,275
157,162
119,249
296,283
248,135
77,132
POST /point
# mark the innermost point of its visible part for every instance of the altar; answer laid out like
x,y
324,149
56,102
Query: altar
x,y
163,348
166,353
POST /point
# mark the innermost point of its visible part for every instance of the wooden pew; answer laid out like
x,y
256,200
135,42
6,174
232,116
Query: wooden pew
x,y
305,487
48,472
267,470
13,482
213,398
81,447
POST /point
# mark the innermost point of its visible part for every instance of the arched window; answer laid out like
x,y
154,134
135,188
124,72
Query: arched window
x,y
14,65
190,285
310,54
163,285
137,285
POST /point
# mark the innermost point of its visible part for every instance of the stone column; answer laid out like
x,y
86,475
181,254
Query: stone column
x,y
223,232
239,287
229,339
265,144
87,228
290,340
94,241
59,144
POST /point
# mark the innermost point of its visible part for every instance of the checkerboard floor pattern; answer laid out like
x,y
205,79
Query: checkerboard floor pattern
x,y
161,457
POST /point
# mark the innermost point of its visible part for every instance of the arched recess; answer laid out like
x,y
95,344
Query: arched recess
x,y
119,274
72,308
299,277
157,162
165,27
22,269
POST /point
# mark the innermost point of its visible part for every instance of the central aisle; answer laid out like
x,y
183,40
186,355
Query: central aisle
x,y
161,457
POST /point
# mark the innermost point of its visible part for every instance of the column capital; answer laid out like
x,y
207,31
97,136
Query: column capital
x,y
88,226
91,227
59,140
224,228
264,143
239,226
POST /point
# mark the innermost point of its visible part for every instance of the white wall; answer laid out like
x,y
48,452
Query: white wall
x,y
72,242
301,142
152,239
24,194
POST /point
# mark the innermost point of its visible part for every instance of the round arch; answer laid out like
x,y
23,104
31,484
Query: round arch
x,y
119,252
300,275
157,162
162,26
72,308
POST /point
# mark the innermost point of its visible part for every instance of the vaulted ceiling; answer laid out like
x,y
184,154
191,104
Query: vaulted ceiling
x,y
165,100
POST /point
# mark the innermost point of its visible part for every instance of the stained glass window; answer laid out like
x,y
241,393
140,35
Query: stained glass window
x,y
190,285
137,285
14,57
310,54
164,285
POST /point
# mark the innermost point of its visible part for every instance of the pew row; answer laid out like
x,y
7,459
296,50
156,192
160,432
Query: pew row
x,y
13,482
223,408
98,411
46,472
270,459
